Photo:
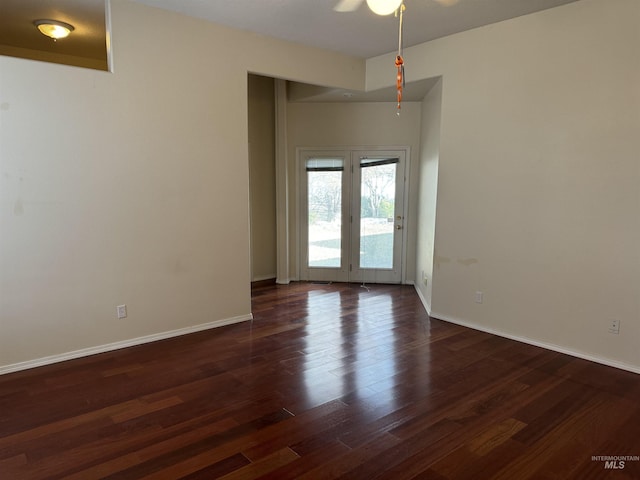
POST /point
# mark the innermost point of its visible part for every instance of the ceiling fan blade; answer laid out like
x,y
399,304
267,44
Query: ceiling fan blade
x,y
347,5
447,3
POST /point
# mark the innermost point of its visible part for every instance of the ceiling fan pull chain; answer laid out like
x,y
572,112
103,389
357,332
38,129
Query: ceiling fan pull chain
x,y
399,79
399,60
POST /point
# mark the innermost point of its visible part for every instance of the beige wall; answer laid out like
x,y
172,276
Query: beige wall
x,y
427,191
538,198
262,177
97,63
316,125
132,187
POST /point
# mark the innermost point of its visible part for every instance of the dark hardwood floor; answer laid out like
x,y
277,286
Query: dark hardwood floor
x,y
328,381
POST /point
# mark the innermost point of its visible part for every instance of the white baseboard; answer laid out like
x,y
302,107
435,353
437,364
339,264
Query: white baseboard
x,y
85,352
425,304
536,343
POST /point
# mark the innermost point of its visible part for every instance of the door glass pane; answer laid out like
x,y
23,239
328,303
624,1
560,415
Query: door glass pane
x,y
324,200
377,207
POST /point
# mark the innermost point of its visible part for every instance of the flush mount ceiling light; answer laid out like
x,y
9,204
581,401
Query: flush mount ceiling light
x,y
384,7
53,28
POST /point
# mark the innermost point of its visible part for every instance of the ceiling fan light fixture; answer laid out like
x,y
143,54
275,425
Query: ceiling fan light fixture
x,y
384,7
54,28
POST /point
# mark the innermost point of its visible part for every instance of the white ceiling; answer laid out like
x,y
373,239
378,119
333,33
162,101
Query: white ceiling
x,y
303,92
360,33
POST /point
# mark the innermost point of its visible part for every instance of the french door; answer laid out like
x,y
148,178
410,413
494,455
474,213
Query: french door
x,y
352,215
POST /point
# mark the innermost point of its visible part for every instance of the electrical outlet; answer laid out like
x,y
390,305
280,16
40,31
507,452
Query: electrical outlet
x,y
614,326
121,310
479,297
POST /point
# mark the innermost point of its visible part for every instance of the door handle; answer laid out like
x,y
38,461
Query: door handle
x,y
398,227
